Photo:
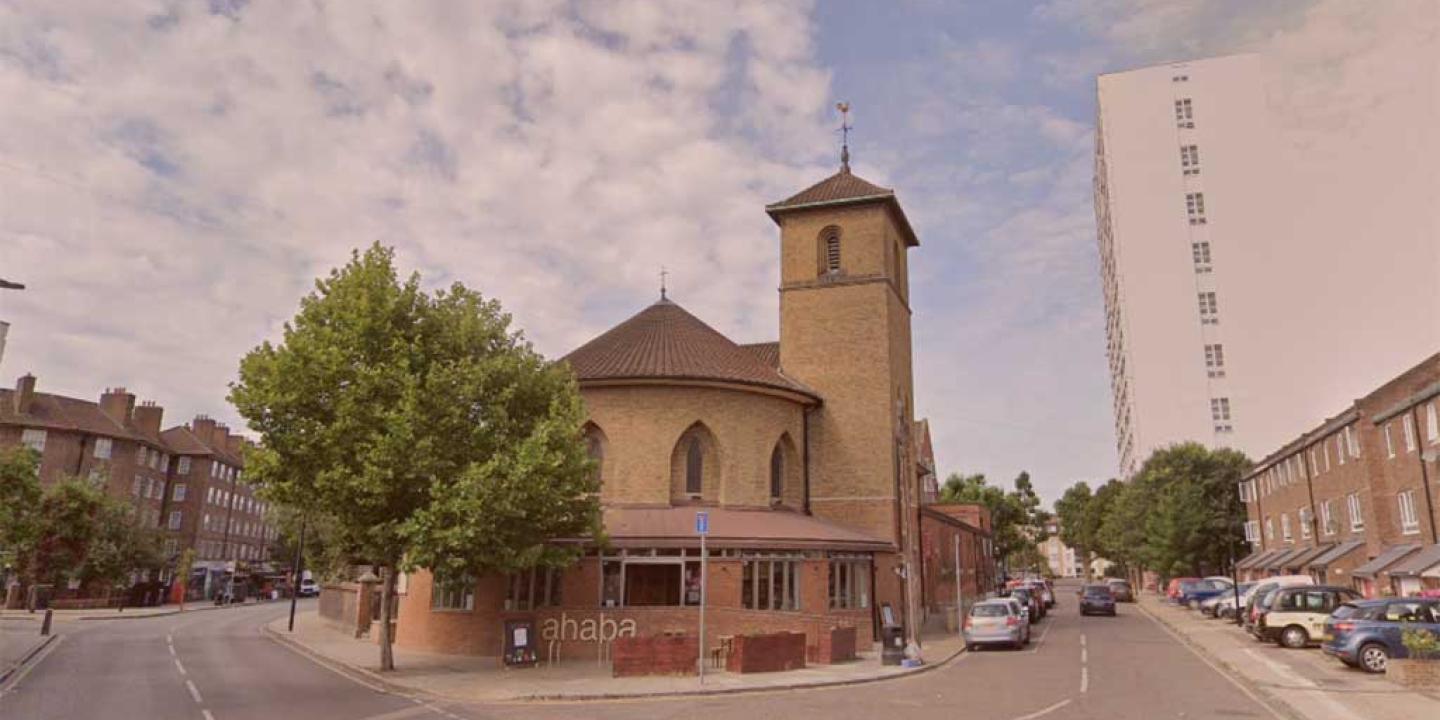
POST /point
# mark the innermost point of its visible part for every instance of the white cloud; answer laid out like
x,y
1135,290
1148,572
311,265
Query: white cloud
x,y
176,175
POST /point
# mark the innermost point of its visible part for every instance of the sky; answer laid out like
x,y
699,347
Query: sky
x,y
174,175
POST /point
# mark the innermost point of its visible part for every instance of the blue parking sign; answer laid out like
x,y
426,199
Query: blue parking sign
x,y
702,523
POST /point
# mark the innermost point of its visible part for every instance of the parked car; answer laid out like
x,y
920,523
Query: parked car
x,y
1097,599
1298,614
1194,593
1172,590
996,622
1042,588
1122,590
1258,602
1366,633
1030,600
1223,605
309,588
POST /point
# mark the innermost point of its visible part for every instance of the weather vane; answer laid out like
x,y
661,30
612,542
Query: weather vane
x,y
844,108
663,273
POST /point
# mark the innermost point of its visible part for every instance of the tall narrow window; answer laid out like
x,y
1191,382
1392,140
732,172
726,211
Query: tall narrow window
x,y
830,251
1409,424
777,473
1201,252
1357,519
1195,207
1409,522
1327,518
595,449
1184,114
1215,360
1209,309
1285,528
1190,159
1220,414
694,467
1389,441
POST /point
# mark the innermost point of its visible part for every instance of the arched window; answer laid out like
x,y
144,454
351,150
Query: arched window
x,y
777,472
694,467
830,251
595,449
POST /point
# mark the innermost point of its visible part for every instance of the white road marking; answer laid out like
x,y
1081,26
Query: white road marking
x,y
1082,639
15,679
169,639
207,714
180,667
172,650
1046,711
1084,656
194,692
1084,680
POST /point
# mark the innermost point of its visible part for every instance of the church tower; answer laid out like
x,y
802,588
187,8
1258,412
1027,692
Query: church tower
x,y
845,332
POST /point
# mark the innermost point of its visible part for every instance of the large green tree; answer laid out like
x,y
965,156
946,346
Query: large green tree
x,y
1016,519
420,427
83,535
19,507
1073,509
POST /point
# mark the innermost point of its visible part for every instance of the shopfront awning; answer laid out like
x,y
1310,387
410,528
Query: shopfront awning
x,y
1254,559
1301,562
1283,558
1334,554
1413,566
674,527
1386,558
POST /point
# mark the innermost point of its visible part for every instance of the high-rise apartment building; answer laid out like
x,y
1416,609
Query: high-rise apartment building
x,y
1268,247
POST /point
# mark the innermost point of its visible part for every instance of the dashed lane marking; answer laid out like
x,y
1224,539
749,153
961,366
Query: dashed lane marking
x,y
207,714
180,667
1084,680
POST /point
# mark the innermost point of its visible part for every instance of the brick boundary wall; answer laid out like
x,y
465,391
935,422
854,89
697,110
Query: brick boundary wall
x,y
771,652
655,655
1414,674
835,646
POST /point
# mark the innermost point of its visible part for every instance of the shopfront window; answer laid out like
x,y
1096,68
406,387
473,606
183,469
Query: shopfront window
x,y
453,593
770,582
539,587
663,577
849,583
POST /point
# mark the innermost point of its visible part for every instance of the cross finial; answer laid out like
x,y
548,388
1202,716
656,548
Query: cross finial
x,y
663,273
844,108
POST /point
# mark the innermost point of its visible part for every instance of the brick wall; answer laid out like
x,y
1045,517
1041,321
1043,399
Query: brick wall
x,y
656,655
767,653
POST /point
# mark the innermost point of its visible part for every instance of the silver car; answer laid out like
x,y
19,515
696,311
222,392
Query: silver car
x,y
996,622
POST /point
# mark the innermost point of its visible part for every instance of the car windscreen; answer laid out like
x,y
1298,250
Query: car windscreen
x,y
996,610
1097,591
1348,610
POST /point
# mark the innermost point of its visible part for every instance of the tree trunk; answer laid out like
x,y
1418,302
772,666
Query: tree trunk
x,y
387,604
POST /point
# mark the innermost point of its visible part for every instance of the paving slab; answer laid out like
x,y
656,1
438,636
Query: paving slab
x,y
481,679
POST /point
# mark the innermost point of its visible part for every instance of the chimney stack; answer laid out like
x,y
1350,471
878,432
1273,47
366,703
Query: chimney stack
x,y
147,418
24,393
218,437
118,404
203,427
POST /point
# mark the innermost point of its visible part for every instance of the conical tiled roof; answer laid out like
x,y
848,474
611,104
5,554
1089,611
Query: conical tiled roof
x,y
844,188
665,341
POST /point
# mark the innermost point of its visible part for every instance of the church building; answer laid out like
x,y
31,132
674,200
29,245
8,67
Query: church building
x,y
800,450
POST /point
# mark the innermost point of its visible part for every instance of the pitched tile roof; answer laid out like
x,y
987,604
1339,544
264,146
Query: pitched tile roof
x,y
184,441
665,341
767,352
57,412
844,188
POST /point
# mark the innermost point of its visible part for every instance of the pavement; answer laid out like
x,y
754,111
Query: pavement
x,y
1305,683
224,665
110,613
476,679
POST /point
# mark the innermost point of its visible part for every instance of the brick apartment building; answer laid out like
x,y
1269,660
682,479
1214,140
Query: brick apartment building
x,y
119,446
1354,501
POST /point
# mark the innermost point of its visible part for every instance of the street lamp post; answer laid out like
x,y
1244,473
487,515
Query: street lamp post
x,y
295,579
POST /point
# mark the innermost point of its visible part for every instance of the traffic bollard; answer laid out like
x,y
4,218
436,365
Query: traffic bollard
x,y
45,625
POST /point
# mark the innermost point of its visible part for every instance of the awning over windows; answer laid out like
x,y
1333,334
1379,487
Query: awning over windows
x,y
1302,561
1280,560
1334,554
1415,565
1254,559
1388,557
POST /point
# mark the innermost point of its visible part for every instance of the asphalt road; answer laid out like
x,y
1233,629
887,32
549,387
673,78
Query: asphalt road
x,y
1090,667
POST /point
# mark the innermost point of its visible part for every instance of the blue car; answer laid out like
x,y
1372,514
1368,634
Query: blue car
x,y
1366,633
1097,599
1196,592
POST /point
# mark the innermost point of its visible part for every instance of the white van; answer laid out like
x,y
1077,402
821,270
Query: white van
x,y
1261,596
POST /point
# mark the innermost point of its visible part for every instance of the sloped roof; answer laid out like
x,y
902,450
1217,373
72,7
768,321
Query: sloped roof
x,y
1387,557
767,352
663,341
58,412
184,441
844,188
730,527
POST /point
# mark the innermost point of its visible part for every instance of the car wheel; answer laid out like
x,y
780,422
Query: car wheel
x,y
1374,657
1294,637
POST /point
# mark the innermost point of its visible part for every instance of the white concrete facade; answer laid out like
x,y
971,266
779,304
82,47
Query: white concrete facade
x,y
1309,215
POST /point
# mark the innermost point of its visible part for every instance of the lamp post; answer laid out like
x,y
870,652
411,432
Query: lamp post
x,y
4,326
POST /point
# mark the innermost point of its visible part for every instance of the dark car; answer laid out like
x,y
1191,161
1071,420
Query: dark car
x,y
1097,599
1195,592
1122,590
1030,601
1367,633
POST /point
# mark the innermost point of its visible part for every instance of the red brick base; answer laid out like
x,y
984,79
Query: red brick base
x,y
655,655
767,653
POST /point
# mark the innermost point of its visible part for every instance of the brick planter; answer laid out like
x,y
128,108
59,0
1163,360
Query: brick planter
x,y
1414,674
835,645
655,655
771,652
